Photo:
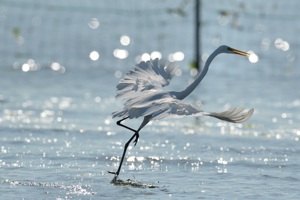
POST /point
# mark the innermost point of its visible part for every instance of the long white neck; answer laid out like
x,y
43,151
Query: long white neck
x,y
195,83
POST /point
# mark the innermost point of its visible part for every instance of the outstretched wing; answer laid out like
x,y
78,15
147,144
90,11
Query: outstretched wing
x,y
176,109
149,75
168,107
141,89
236,115
158,108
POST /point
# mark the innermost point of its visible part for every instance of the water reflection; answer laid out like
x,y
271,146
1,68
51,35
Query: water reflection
x,y
155,54
125,40
94,55
145,57
50,114
173,57
94,23
281,44
265,44
253,58
55,66
118,74
177,56
30,65
120,53
291,57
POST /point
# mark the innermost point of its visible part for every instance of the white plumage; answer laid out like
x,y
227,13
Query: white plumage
x,y
142,90
143,93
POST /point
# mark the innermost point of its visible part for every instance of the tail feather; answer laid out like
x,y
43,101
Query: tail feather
x,y
235,115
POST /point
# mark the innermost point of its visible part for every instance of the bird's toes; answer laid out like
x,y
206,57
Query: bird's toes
x,y
114,180
115,177
136,138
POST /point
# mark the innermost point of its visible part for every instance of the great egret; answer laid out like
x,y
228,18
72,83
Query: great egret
x,y
144,96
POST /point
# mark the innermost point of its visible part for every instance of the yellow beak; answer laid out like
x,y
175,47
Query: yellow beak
x,y
236,51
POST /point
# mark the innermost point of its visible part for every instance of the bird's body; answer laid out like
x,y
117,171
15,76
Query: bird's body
x,y
144,96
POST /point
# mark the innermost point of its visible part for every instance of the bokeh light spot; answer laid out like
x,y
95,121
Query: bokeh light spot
x,y
145,57
55,66
94,23
25,67
125,40
253,58
118,74
155,54
94,55
282,44
177,56
30,65
120,53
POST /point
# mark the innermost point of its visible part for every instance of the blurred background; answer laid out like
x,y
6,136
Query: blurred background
x,y
54,52
61,60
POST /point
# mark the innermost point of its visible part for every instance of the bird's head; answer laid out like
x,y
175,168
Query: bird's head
x,y
227,49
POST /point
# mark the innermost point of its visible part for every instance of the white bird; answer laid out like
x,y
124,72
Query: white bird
x,y
144,96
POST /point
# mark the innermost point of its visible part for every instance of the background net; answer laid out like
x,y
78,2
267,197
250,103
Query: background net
x,y
61,34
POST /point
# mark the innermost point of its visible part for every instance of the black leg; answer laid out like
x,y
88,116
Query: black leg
x,y
135,131
119,124
123,156
135,135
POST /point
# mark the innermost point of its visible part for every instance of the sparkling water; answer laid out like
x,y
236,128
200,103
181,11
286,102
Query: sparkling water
x,y
58,139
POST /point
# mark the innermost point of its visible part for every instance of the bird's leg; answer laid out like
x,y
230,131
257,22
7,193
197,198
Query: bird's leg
x,y
135,135
136,132
122,159
119,124
144,123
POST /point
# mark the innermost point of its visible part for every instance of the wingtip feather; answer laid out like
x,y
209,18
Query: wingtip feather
x,y
234,115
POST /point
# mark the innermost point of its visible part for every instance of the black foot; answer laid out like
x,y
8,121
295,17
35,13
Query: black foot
x,y
137,135
115,177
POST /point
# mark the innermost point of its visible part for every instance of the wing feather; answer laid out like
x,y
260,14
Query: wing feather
x,y
235,115
148,104
141,89
164,107
149,75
